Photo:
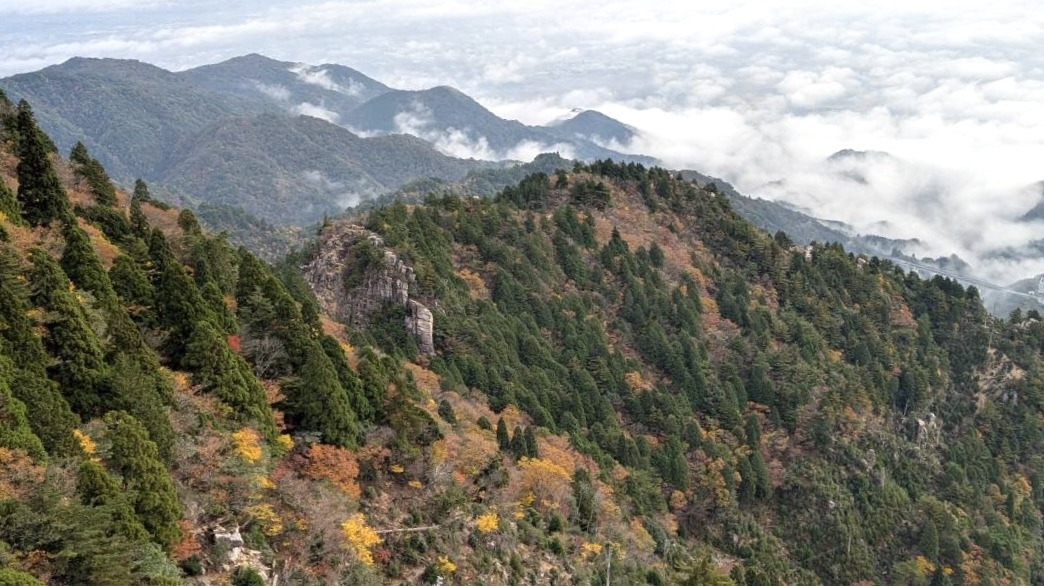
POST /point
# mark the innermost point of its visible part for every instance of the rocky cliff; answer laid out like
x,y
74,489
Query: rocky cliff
x,y
354,274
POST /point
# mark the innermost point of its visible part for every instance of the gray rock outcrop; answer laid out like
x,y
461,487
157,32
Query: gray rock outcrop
x,y
349,285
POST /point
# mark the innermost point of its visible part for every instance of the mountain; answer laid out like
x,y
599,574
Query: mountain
x,y
1037,212
294,170
454,121
593,126
601,375
228,134
326,91
129,114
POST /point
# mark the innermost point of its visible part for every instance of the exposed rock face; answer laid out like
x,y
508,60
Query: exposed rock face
x,y
387,281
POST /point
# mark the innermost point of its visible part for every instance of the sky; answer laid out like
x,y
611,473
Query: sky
x,y
759,93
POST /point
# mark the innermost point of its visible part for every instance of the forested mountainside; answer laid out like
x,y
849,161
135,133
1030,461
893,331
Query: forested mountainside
x,y
603,375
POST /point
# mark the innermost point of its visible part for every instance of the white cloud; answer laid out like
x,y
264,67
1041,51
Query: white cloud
x,y
754,91
315,111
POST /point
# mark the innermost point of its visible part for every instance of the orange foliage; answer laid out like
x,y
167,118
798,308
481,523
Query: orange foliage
x,y
234,343
336,465
189,545
106,251
17,473
426,380
476,286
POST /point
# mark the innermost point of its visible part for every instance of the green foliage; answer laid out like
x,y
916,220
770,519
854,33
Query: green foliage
x,y
220,371
9,577
245,576
9,205
135,457
84,268
316,401
40,192
15,431
94,174
80,368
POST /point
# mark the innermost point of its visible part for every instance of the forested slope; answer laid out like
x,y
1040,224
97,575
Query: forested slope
x,y
626,377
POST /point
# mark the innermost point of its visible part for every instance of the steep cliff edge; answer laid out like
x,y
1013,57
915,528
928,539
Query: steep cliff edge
x,y
354,274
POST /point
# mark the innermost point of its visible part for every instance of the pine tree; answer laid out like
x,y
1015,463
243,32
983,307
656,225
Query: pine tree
x,y
92,171
218,370
40,192
15,431
131,284
503,440
96,488
79,367
134,457
364,411
316,401
139,223
532,448
9,206
84,268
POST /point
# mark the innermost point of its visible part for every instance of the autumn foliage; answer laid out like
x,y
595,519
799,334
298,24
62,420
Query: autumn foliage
x,y
335,464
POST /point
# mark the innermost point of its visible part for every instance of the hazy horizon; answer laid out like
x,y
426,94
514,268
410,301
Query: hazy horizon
x,y
755,93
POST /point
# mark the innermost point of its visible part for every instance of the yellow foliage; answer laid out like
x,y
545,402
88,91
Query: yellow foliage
x,y
264,482
543,467
86,443
488,522
248,444
925,566
360,538
446,566
397,469
590,549
285,441
265,516
518,515
414,484
636,383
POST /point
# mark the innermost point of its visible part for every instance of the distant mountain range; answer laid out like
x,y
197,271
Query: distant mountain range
x,y
287,142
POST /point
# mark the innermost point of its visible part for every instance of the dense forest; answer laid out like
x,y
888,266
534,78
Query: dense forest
x,y
630,384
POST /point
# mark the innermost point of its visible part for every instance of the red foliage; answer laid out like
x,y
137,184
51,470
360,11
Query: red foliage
x,y
234,342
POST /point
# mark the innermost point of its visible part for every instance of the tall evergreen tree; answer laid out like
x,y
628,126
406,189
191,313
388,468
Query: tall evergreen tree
x,y
139,223
9,206
220,371
79,368
40,192
503,439
84,268
316,401
92,171
15,432
135,458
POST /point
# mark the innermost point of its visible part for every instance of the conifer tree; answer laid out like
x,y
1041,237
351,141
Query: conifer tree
x,y
85,269
15,432
131,284
139,223
218,370
364,411
532,448
79,367
315,401
96,487
40,192
503,439
135,458
92,171
9,206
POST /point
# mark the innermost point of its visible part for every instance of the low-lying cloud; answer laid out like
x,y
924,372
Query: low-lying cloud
x,y
465,143
759,93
